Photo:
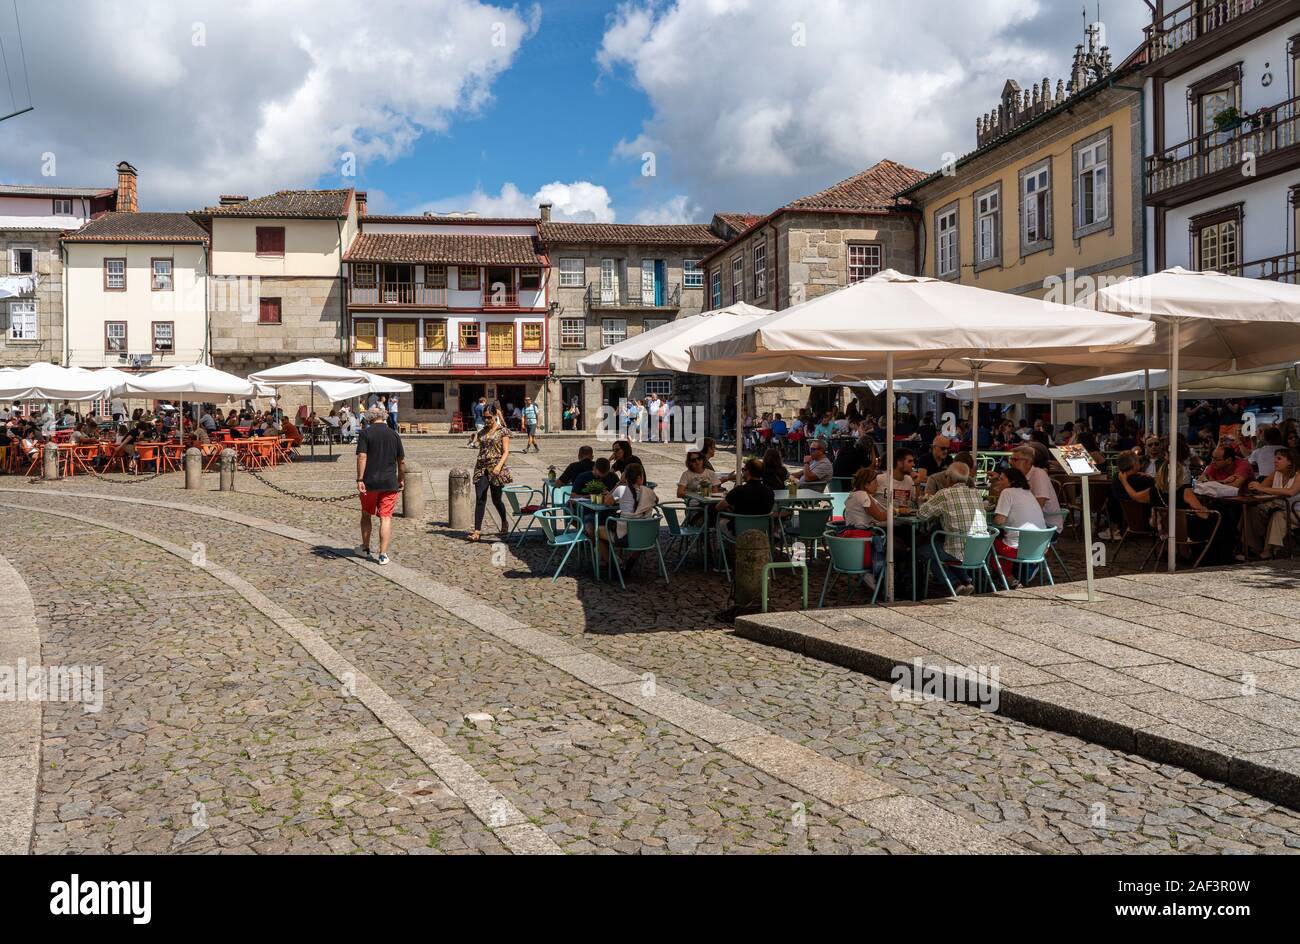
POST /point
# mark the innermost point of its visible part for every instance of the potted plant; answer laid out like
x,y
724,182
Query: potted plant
x,y
594,488
1228,119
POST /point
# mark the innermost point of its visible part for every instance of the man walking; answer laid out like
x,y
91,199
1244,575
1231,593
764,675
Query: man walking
x,y
530,424
381,474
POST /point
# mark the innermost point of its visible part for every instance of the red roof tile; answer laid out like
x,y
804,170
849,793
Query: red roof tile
x,y
687,234
446,248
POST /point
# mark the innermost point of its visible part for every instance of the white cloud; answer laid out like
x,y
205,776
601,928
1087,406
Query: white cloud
x,y
271,98
580,201
678,209
750,118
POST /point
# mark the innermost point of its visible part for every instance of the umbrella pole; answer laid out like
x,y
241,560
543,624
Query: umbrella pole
x,y
1172,453
1147,411
975,428
889,477
740,427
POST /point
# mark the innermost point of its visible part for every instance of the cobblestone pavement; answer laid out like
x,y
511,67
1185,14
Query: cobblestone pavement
x,y
204,678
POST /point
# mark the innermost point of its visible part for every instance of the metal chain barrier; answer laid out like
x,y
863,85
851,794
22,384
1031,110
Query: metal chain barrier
x,y
320,499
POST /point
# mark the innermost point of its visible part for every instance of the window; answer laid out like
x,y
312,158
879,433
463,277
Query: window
x,y
760,270
469,335
692,274
62,207
114,337
365,336
162,275
737,279
22,320
363,274
163,337
573,273
573,333
532,336
946,257
612,331
651,323
270,241
435,276
715,290
988,227
469,278
659,387
435,334
268,311
115,275
429,397
1216,240
1091,185
22,261
864,261
530,279
1036,208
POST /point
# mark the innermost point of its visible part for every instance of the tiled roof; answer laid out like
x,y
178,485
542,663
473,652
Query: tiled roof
x,y
739,221
139,228
447,248
449,219
32,190
875,189
687,234
302,204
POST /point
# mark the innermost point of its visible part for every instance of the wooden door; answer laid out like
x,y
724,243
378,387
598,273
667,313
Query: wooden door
x,y
401,344
501,345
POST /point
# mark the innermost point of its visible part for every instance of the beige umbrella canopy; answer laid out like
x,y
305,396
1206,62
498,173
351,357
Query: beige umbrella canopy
x,y
892,320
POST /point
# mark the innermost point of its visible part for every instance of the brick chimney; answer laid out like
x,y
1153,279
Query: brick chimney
x,y
544,211
126,193
361,203
231,199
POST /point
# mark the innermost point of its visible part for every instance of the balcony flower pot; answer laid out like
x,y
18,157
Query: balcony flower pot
x,y
1228,120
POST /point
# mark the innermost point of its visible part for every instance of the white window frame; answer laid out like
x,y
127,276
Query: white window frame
x,y
612,331
738,278
109,276
947,250
13,259
24,308
108,347
570,278
58,202
170,327
169,275
760,270
988,227
692,274
660,386
715,290
1036,205
868,250
571,339
1092,165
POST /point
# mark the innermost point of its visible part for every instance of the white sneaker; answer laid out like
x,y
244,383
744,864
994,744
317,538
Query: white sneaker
x,y
381,560
365,552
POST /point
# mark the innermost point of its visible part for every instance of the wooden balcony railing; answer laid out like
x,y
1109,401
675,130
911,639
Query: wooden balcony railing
x,y
446,359
500,298
1258,135
630,296
410,294
1194,20
1283,268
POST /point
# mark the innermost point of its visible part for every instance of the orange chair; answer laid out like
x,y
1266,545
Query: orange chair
x,y
83,459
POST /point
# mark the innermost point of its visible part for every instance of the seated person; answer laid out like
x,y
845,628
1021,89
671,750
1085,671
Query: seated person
x,y
600,470
1017,508
899,485
584,463
1262,457
775,474
1033,466
961,514
941,479
634,499
779,427
753,496
817,469
1266,525
861,509
853,457
290,432
936,458
696,475
1227,468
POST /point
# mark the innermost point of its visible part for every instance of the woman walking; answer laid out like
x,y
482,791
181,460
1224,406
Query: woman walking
x,y
490,472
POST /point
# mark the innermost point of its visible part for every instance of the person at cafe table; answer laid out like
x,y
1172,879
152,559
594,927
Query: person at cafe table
x,y
960,511
817,469
900,487
1266,524
935,459
1227,468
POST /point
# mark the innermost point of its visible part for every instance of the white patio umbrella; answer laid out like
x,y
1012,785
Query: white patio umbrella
x,y
190,382
1208,321
336,390
667,348
920,323
45,381
308,371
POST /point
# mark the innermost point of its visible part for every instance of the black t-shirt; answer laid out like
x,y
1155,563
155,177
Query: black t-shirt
x,y
752,498
574,469
382,448
776,476
582,478
931,465
848,460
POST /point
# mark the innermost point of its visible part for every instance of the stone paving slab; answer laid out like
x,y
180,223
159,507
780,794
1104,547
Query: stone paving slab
x,y
20,721
1136,671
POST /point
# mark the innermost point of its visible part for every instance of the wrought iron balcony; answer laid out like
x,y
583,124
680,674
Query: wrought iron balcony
x,y
631,297
1283,268
1194,21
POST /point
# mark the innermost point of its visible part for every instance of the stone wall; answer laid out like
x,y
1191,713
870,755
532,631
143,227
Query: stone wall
x,y
48,345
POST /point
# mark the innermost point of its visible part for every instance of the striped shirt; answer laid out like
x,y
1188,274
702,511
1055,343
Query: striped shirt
x,y
962,513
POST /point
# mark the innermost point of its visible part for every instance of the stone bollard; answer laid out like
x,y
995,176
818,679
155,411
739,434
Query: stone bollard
x,y
193,469
50,464
413,491
227,470
753,552
460,501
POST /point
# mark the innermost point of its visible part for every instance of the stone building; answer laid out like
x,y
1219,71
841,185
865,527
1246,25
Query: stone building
x,y
610,281
32,219
811,246
277,277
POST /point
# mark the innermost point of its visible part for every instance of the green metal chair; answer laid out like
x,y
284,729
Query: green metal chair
x,y
740,524
685,537
560,495
974,559
838,501
810,524
799,566
563,529
642,535
846,558
1030,552
841,484
1057,519
521,504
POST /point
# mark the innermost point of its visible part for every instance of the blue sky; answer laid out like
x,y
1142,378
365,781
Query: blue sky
x,y
472,105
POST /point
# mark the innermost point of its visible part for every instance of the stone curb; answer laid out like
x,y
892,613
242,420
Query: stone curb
x,y
20,721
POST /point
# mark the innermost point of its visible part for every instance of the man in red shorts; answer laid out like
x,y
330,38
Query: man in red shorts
x,y
381,474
